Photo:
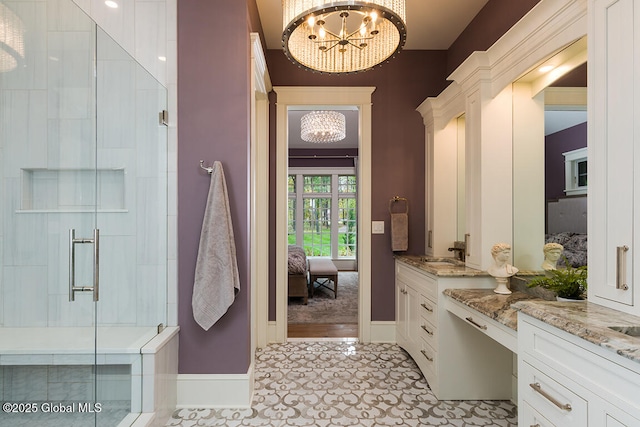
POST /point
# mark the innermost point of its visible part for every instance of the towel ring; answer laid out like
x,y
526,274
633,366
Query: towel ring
x,y
399,199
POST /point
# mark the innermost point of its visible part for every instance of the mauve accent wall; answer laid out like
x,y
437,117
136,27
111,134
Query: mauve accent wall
x,y
213,117
493,20
555,144
397,150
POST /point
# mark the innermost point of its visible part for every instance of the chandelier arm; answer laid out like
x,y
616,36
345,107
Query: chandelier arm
x,y
329,48
354,45
337,37
360,39
354,32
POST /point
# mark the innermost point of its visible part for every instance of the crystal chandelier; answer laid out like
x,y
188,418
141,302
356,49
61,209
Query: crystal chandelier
x,y
11,39
341,37
322,126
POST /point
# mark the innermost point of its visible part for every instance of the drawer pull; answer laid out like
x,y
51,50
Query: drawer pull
x,y
426,330
538,388
535,425
424,353
476,324
426,307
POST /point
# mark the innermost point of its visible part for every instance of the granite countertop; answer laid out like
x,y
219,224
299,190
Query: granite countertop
x,y
587,321
495,306
440,266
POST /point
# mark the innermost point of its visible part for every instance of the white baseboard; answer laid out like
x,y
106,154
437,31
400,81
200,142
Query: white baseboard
x,y
215,391
383,332
272,332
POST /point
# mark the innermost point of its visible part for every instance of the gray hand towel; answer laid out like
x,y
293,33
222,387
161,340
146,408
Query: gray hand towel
x,y
399,231
216,278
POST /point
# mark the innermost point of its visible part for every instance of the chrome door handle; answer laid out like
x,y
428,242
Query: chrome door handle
x,y
621,267
73,241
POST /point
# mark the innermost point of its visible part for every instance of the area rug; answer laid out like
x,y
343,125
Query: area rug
x,y
323,308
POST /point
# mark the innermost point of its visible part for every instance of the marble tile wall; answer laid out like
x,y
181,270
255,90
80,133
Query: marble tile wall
x,y
60,383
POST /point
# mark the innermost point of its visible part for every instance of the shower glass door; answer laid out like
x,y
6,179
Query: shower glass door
x,y
83,229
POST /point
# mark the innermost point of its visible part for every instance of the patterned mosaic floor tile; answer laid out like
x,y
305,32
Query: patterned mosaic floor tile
x,y
345,384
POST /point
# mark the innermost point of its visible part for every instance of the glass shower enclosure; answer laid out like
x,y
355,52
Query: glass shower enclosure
x,y
83,219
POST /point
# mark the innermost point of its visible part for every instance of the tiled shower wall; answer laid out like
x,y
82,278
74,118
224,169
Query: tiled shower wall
x,y
47,133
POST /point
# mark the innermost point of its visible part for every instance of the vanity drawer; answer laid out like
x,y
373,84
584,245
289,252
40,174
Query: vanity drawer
x,y
549,347
531,418
554,401
494,329
427,358
428,309
428,332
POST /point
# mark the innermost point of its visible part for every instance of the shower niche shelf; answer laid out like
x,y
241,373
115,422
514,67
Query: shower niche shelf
x,y
73,190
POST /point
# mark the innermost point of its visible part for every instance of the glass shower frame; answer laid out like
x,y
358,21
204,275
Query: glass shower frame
x,y
82,148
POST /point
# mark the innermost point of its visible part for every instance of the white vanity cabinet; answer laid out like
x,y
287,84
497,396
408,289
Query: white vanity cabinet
x,y
439,342
613,153
566,381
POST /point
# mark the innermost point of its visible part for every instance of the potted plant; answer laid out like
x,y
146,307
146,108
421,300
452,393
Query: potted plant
x,y
569,283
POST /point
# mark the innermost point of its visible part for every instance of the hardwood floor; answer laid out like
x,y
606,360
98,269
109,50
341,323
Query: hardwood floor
x,y
322,330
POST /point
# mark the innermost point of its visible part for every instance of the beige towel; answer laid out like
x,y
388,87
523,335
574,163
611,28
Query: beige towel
x,y
399,231
216,279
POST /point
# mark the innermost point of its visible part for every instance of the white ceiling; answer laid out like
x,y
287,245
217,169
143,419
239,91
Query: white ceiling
x,y
555,121
432,24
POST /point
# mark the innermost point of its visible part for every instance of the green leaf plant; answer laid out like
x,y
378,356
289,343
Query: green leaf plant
x,y
570,282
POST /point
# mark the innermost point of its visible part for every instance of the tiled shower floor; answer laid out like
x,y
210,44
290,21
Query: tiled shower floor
x,y
345,384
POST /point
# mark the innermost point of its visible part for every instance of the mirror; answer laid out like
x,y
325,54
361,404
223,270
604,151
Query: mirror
x,y
461,211
549,125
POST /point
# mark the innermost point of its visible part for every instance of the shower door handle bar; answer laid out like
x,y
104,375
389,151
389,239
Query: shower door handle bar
x,y
72,263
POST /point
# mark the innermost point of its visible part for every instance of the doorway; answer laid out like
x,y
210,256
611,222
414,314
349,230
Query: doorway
x,y
322,225
296,97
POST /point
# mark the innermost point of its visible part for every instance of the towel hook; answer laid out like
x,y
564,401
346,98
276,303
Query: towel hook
x,y
209,169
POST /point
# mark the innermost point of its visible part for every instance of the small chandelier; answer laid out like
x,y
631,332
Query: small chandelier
x,y
11,39
322,126
342,37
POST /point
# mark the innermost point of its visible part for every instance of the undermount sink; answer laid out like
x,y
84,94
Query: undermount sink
x,y
632,331
439,263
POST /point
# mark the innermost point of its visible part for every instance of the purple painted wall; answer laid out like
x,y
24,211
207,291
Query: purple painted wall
x,y
493,20
555,144
213,112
